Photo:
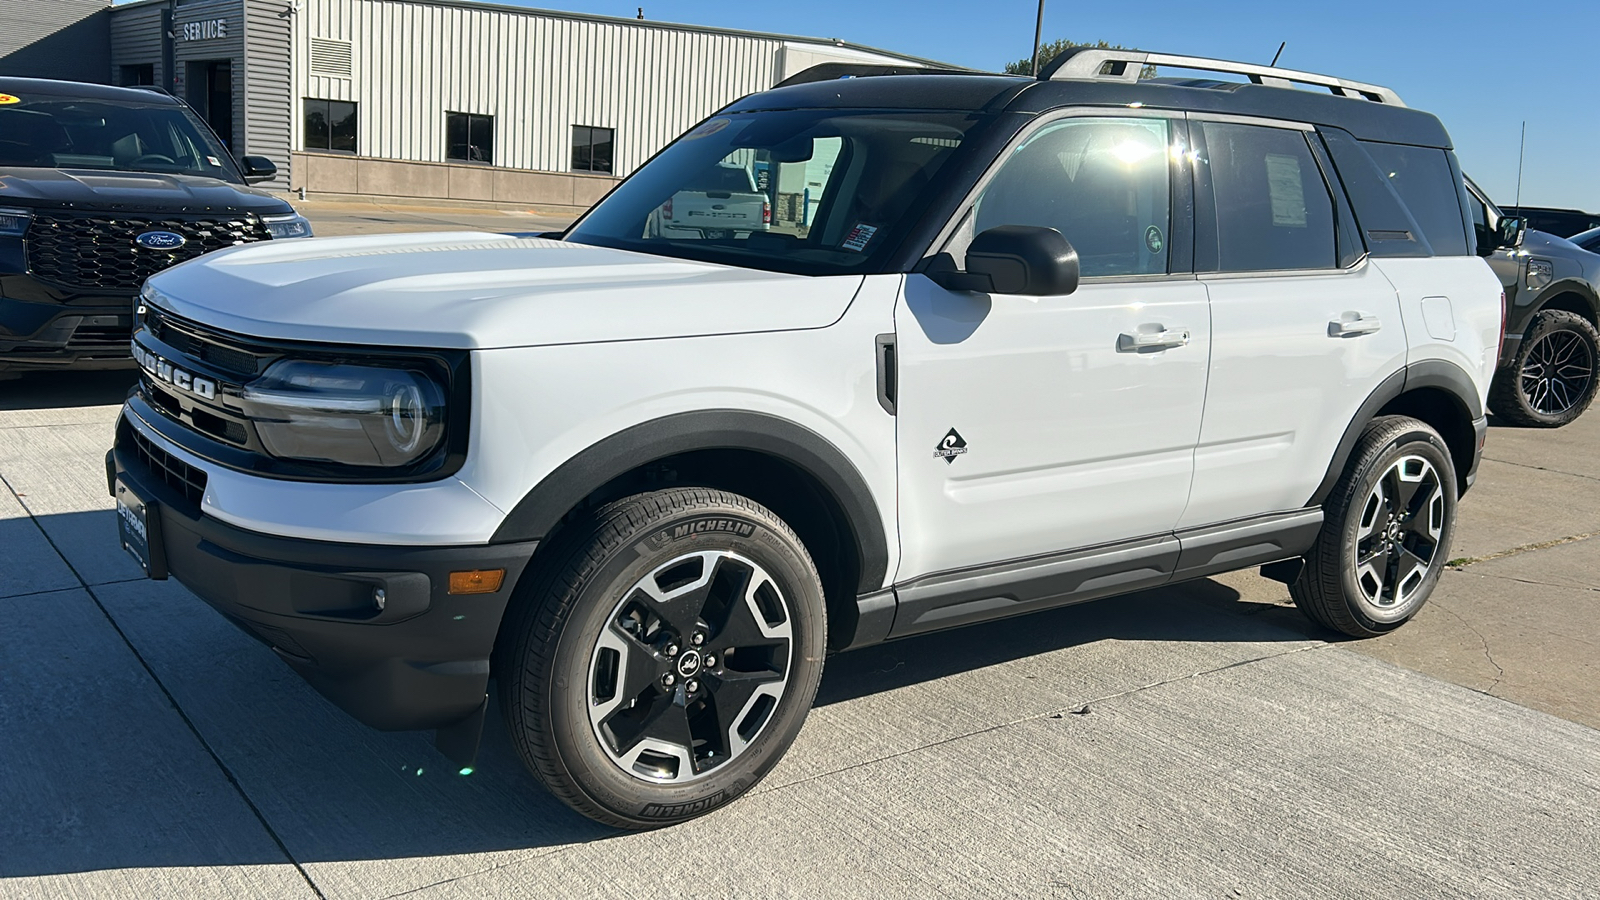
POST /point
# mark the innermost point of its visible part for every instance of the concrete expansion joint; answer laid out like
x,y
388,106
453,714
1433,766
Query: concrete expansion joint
x,y
1543,469
1461,562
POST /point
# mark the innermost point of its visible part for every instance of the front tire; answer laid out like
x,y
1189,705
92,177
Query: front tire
x,y
1385,534
664,656
1553,376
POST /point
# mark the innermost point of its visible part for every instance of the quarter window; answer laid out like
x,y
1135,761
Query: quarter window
x,y
1272,207
1421,176
330,125
469,137
1103,183
591,149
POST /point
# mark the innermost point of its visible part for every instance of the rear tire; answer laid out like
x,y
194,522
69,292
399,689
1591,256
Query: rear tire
x,y
1385,534
663,656
1553,376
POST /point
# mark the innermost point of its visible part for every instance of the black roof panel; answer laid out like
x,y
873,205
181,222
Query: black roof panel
x,y
28,88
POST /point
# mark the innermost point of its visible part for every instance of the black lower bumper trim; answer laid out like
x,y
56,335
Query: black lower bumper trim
x,y
417,660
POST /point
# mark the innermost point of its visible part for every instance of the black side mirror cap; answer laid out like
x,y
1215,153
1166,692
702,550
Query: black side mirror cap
x,y
258,169
1028,260
1510,232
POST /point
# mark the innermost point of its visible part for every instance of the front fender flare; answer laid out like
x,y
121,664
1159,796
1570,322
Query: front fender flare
x,y
543,507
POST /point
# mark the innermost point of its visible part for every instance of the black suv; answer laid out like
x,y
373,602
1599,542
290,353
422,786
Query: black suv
x,y
1547,375
101,187
1552,220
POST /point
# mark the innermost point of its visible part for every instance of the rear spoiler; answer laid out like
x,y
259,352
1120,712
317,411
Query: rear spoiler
x,y
832,71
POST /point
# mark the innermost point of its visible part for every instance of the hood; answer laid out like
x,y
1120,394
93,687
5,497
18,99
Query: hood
x,y
471,290
133,191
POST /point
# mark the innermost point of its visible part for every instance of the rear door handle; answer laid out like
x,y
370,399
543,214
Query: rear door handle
x,y
1350,324
1152,337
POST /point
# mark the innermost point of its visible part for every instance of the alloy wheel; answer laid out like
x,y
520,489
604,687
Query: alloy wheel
x,y
690,666
1557,372
1399,534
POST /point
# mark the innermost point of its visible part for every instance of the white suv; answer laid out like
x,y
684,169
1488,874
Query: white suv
x,y
1006,344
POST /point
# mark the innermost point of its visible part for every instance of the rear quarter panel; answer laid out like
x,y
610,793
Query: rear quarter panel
x,y
1450,306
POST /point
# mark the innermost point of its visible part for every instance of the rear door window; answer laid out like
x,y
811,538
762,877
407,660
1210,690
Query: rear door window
x,y
1421,176
1272,207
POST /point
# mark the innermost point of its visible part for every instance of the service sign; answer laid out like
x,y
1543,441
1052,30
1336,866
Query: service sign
x,y
204,30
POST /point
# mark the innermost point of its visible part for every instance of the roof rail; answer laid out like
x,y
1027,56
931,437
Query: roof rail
x,y
1094,64
830,71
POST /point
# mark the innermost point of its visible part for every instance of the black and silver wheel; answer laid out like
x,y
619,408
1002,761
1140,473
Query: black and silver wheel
x,y
1386,532
664,656
1552,378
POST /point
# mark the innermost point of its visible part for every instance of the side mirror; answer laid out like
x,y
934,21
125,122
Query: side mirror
x,y
258,169
1510,231
1015,259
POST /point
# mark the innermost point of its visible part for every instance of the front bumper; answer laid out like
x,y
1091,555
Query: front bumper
x,y
420,662
39,334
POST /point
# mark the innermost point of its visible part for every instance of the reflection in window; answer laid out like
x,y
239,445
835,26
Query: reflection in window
x,y
330,125
1103,183
1273,210
469,137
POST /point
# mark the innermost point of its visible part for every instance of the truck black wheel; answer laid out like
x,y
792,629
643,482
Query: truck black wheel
x,y
1552,378
663,655
1386,534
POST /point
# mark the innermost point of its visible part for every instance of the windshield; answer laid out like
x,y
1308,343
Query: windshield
x,y
65,133
815,192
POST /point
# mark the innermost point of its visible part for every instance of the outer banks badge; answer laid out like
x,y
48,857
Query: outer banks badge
x,y
951,447
8,99
1153,240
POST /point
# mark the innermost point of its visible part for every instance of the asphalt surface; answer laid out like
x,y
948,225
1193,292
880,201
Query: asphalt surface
x,y
331,218
1196,741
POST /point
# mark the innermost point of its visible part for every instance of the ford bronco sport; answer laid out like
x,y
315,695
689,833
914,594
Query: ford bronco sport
x,y
1030,342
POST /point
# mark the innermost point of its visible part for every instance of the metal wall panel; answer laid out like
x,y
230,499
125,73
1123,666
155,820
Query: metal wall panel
x,y
538,74
136,39
55,39
267,84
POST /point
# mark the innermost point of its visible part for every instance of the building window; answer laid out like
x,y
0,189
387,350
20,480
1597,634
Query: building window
x,y
330,125
591,149
133,76
469,137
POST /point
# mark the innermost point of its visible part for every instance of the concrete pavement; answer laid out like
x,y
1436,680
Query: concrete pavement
x,y
1228,749
332,218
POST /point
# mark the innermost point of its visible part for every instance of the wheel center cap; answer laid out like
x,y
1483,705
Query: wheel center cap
x,y
689,663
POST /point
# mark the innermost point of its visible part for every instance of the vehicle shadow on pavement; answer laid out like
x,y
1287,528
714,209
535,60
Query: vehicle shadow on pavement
x,y
225,752
65,389
1194,611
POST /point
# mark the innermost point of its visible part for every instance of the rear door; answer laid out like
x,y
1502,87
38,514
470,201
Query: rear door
x,y
1030,425
1304,328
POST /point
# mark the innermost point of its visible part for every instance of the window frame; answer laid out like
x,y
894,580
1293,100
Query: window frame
x,y
469,117
956,235
305,132
572,149
1349,253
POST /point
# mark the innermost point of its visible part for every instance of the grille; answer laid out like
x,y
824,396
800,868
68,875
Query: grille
x,y
94,335
195,344
88,250
174,472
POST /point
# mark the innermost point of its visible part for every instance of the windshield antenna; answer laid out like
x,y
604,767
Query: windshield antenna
x,y
1520,151
1278,54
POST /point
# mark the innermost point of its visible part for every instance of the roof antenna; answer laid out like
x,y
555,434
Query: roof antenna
x,y
1520,151
1038,32
1278,54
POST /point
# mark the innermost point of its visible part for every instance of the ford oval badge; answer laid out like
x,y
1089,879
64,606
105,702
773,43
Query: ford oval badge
x,y
161,240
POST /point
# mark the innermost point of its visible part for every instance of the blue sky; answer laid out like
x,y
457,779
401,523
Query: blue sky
x,y
1482,67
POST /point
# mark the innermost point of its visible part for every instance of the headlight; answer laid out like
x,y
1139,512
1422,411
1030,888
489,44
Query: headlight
x,y
13,222
1540,273
292,225
355,415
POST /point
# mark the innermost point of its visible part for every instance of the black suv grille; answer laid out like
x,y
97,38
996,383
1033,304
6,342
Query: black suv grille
x,y
174,472
97,250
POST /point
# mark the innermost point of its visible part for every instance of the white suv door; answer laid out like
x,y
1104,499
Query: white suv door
x,y
1030,425
1304,327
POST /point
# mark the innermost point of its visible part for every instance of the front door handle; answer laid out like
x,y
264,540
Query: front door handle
x,y
1146,338
1350,324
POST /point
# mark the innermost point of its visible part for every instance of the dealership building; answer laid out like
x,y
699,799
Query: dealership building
x,y
443,99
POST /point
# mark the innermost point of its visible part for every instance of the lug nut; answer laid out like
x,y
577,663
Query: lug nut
x,y
691,685
669,679
710,661
672,649
698,639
